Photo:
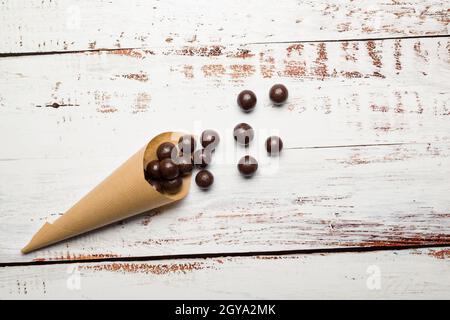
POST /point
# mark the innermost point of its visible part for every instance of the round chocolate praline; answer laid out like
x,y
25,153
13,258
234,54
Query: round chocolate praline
x,y
185,165
187,143
247,166
157,184
204,179
243,133
246,100
152,170
173,185
202,158
164,150
169,170
274,145
278,93
209,138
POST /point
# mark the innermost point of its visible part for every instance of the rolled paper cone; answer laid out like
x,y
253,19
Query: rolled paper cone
x,y
121,195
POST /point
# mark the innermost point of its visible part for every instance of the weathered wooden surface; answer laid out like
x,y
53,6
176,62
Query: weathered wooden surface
x,y
58,25
84,84
401,274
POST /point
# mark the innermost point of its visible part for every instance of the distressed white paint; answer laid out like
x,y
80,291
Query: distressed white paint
x,y
376,275
58,25
114,101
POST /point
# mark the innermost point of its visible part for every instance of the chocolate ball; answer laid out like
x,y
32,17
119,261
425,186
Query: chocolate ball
x,y
246,100
247,166
278,93
173,185
164,150
152,170
204,179
157,184
187,143
168,169
202,158
185,165
209,138
243,133
274,145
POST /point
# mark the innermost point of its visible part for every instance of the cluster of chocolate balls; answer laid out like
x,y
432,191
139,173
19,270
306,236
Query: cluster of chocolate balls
x,y
175,161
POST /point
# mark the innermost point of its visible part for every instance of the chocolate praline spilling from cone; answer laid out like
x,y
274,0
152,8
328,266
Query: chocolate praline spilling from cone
x,y
169,169
157,184
185,165
152,170
187,144
164,150
173,185
122,194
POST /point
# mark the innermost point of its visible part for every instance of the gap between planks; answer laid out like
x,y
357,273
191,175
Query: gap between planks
x,y
225,255
354,145
36,53
365,145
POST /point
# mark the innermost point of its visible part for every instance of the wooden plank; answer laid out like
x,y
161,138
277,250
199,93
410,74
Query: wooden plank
x,y
46,26
393,195
409,274
340,93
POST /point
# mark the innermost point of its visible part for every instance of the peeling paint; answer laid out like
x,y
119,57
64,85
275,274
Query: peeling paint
x,y
208,51
374,54
141,76
297,48
128,53
213,70
294,69
397,55
188,71
242,70
420,52
322,57
142,102
440,254
241,53
146,268
267,65
70,256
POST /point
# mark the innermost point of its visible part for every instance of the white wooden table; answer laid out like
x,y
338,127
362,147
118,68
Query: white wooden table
x,y
358,206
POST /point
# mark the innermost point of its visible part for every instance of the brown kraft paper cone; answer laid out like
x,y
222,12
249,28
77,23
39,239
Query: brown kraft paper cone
x,y
121,195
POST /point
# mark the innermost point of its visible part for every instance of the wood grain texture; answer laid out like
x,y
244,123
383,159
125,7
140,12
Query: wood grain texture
x,y
47,26
360,92
306,199
402,274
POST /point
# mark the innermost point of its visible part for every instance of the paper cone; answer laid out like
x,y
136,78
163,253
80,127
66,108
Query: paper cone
x,y
123,194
